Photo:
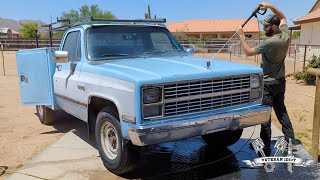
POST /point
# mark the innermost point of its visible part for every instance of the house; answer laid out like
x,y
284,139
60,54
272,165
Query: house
x,y
214,29
310,26
310,30
8,33
15,34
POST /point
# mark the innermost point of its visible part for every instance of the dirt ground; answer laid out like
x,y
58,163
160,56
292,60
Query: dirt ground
x,y
22,136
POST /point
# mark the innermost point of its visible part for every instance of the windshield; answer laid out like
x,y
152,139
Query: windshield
x,y
114,42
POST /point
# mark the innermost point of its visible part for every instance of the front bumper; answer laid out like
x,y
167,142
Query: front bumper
x,y
191,126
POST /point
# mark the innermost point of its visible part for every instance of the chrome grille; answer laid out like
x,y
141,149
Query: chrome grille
x,y
200,87
202,104
208,94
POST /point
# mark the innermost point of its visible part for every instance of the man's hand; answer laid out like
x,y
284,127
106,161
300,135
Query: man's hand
x,y
240,31
246,48
275,11
265,5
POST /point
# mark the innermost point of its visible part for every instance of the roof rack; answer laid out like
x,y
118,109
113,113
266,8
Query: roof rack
x,y
86,20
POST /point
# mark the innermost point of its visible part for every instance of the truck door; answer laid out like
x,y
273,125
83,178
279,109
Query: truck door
x,y
67,74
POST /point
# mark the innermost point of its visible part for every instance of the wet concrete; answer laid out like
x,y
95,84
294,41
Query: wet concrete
x,y
187,159
193,159
75,157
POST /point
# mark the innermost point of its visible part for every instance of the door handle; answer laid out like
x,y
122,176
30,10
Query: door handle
x,y
24,78
59,67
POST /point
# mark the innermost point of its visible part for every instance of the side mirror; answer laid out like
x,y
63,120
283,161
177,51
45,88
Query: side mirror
x,y
60,56
190,51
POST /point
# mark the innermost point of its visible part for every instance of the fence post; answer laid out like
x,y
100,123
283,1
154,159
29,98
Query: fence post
x,y
305,56
316,115
230,49
37,40
295,58
3,67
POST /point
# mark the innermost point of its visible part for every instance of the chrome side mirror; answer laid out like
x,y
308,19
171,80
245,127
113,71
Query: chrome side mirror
x,y
190,51
60,56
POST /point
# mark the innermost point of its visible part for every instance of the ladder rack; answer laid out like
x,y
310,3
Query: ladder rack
x,y
90,20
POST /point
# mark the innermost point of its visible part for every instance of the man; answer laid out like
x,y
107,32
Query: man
x,y
273,50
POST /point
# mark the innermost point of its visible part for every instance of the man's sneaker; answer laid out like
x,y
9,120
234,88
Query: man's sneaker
x,y
294,145
294,148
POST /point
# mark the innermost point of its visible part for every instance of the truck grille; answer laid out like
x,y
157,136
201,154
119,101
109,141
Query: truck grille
x,y
203,104
206,94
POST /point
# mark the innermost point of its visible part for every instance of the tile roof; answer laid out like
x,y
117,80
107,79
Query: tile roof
x,y
313,16
15,32
208,26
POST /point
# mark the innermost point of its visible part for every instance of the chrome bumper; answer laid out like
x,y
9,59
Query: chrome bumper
x,y
191,126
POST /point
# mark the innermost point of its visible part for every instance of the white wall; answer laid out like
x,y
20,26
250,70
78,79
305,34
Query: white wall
x,y
315,37
310,33
306,31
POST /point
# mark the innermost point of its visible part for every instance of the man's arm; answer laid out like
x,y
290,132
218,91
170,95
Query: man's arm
x,y
275,10
246,48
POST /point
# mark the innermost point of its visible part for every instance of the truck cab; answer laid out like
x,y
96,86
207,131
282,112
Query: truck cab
x,y
134,85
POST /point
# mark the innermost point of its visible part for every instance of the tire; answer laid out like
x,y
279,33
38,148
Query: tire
x,y
118,154
224,138
45,114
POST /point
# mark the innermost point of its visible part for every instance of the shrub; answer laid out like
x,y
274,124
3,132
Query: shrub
x,y
304,76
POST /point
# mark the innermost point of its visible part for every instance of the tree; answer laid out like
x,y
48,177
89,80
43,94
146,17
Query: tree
x,y
180,36
87,11
296,35
28,30
84,11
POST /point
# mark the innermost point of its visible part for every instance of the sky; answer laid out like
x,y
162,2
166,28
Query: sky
x,y
172,10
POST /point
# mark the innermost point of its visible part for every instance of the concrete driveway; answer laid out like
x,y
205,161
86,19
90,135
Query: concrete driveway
x,y
75,157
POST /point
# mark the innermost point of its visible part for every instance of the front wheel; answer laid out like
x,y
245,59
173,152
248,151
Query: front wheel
x,y
45,114
224,138
116,153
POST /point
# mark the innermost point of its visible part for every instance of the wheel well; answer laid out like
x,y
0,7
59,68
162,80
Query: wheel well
x,y
95,106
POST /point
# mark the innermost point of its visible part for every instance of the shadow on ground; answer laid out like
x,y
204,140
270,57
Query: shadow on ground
x,y
185,159
192,158
64,123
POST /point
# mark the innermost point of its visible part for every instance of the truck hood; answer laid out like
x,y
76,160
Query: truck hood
x,y
166,69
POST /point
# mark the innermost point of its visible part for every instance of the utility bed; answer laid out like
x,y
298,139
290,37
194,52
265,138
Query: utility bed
x,y
35,71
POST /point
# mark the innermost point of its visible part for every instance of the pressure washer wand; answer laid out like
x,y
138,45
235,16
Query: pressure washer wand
x,y
254,14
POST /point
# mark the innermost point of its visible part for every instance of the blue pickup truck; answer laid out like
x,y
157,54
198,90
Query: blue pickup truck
x,y
134,85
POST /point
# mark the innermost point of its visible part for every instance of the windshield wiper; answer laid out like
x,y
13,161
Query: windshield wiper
x,y
155,52
114,55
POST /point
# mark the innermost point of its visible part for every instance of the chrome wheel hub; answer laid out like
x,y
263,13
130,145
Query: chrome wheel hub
x,y
109,140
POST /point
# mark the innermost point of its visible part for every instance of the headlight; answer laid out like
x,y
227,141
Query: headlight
x,y
254,81
152,111
152,95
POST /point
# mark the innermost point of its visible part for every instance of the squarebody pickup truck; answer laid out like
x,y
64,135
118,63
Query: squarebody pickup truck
x,y
134,85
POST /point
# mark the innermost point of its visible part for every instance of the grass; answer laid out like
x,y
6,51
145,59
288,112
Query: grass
x,y
19,166
300,116
305,137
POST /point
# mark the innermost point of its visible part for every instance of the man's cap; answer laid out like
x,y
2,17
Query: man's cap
x,y
272,19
